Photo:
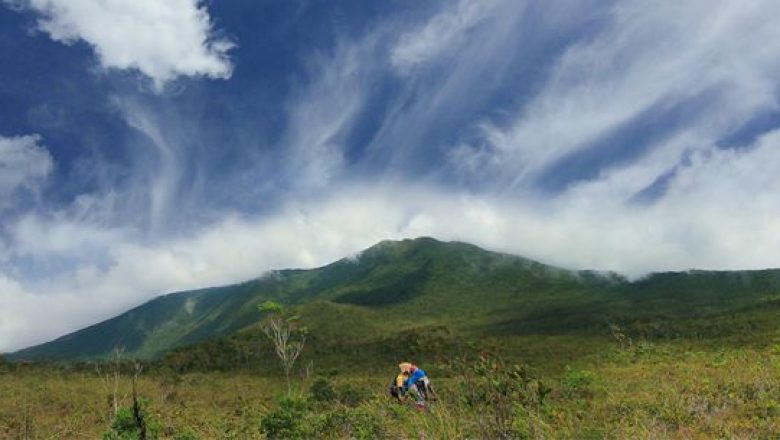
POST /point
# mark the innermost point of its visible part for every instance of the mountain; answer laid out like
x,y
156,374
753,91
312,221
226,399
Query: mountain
x,y
397,286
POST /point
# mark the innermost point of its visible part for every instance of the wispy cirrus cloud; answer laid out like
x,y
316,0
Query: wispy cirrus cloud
x,y
321,114
465,66
441,36
586,134
651,73
705,220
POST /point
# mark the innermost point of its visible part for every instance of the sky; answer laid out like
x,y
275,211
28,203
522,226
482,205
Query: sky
x,y
148,147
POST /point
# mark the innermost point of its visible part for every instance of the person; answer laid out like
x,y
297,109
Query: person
x,y
397,387
417,383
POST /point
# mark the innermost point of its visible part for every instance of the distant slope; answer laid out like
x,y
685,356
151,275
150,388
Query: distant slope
x,y
397,285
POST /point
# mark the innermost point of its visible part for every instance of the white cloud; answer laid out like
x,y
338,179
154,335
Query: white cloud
x,y
15,315
166,169
24,162
321,114
466,56
46,238
161,39
442,35
719,213
648,56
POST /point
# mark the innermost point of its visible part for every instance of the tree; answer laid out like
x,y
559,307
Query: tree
x,y
110,378
286,334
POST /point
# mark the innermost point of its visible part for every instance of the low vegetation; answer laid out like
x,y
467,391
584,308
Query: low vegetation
x,y
645,389
515,349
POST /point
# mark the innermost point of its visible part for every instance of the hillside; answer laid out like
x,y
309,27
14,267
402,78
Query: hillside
x,y
394,287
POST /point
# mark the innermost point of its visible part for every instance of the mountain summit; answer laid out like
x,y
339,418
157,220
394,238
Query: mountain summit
x,y
414,282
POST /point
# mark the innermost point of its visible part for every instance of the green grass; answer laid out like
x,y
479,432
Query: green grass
x,y
674,355
678,389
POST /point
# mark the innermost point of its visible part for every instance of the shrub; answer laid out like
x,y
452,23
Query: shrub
x,y
288,421
169,382
577,381
281,424
294,403
350,395
357,423
322,391
297,418
504,399
129,423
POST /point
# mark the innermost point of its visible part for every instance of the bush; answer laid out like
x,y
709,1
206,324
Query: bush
x,y
127,425
350,395
357,423
294,403
577,381
322,391
296,418
281,424
288,421
504,399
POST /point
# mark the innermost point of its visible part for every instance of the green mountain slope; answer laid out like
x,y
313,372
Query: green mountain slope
x,y
397,286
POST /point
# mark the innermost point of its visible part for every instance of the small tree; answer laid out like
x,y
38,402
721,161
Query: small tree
x,y
285,333
110,378
134,422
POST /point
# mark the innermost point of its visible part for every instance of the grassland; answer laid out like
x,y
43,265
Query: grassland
x,y
606,388
516,349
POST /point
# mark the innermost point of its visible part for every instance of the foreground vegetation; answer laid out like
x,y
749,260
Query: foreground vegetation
x,y
515,349
623,388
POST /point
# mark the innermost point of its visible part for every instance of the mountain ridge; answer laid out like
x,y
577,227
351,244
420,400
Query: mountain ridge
x,y
450,283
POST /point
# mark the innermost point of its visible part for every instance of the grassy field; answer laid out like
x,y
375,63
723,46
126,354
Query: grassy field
x,y
516,349
608,388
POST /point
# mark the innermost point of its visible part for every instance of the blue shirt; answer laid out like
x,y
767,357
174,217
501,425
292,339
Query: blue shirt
x,y
417,375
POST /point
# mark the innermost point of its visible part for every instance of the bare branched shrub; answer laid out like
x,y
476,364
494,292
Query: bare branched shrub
x,y
109,375
623,340
287,336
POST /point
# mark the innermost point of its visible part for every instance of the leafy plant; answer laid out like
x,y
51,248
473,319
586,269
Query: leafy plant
x,y
351,395
501,397
133,423
322,391
354,423
287,422
576,382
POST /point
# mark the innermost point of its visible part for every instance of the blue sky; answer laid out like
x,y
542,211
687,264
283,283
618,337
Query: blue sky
x,y
148,147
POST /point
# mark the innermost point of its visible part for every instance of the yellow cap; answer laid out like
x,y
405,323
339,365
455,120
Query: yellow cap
x,y
405,367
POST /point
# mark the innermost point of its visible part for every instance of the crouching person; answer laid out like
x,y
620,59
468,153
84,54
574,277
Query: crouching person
x,y
417,383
